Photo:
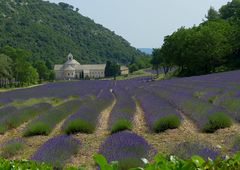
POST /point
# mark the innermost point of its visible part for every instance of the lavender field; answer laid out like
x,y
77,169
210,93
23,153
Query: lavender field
x,y
66,123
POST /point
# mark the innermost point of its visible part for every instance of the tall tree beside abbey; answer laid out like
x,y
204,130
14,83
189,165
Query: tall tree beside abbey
x,y
212,46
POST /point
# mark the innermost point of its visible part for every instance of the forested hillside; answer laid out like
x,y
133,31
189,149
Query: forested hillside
x,y
212,46
51,31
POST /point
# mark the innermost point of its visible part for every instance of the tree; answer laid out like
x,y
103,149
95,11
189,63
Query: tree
x,y
196,50
5,69
139,62
231,10
156,60
212,14
112,69
24,72
65,6
5,66
51,76
42,70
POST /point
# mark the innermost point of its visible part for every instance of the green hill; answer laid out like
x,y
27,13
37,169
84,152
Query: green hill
x,y
50,31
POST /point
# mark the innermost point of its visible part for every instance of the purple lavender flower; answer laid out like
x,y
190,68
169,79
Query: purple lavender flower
x,y
57,150
186,150
126,147
44,123
122,115
12,147
159,114
86,118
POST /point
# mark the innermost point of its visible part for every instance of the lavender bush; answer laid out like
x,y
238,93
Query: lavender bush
x,y
55,90
4,111
19,116
186,150
127,148
12,147
207,116
122,115
86,118
233,142
57,150
158,112
44,123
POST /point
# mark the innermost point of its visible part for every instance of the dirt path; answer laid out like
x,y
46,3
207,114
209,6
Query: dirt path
x,y
187,125
139,123
91,142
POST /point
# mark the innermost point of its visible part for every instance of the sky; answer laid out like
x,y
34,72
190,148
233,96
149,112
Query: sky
x,y
144,23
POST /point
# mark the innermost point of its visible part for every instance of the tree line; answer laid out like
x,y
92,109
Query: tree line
x,y
17,69
213,46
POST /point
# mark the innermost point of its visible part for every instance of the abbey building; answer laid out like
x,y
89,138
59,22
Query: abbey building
x,y
72,69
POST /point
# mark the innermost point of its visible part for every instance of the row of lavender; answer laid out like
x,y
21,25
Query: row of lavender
x,y
215,91
86,118
12,117
207,116
57,90
159,114
122,114
42,116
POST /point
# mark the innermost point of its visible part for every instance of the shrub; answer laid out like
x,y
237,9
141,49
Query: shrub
x,y
12,147
121,125
167,122
78,125
15,119
126,147
122,114
185,150
44,124
86,117
39,128
57,150
216,121
158,112
233,142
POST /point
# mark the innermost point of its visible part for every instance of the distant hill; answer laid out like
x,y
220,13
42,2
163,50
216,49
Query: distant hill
x,y
146,50
50,31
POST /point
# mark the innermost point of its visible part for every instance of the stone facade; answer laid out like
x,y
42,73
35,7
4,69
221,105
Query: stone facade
x,y
72,69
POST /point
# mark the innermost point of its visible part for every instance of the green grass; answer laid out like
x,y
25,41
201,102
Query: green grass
x,y
78,125
167,122
120,125
218,120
